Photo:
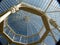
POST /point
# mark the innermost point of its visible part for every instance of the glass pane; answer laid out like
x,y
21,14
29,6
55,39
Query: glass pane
x,y
6,4
24,40
11,34
16,38
6,30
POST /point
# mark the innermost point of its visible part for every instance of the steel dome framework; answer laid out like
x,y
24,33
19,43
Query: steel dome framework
x,y
38,12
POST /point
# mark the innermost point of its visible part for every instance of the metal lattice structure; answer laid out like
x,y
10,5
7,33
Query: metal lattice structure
x,y
29,8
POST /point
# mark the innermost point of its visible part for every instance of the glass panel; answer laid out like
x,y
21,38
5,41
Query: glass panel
x,y
54,6
6,30
30,40
24,40
38,3
36,38
16,38
49,40
6,4
11,34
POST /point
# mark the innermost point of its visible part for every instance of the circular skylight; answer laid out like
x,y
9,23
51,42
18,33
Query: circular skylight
x,y
25,24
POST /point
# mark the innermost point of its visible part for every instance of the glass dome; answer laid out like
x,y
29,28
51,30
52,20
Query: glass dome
x,y
24,27
25,23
